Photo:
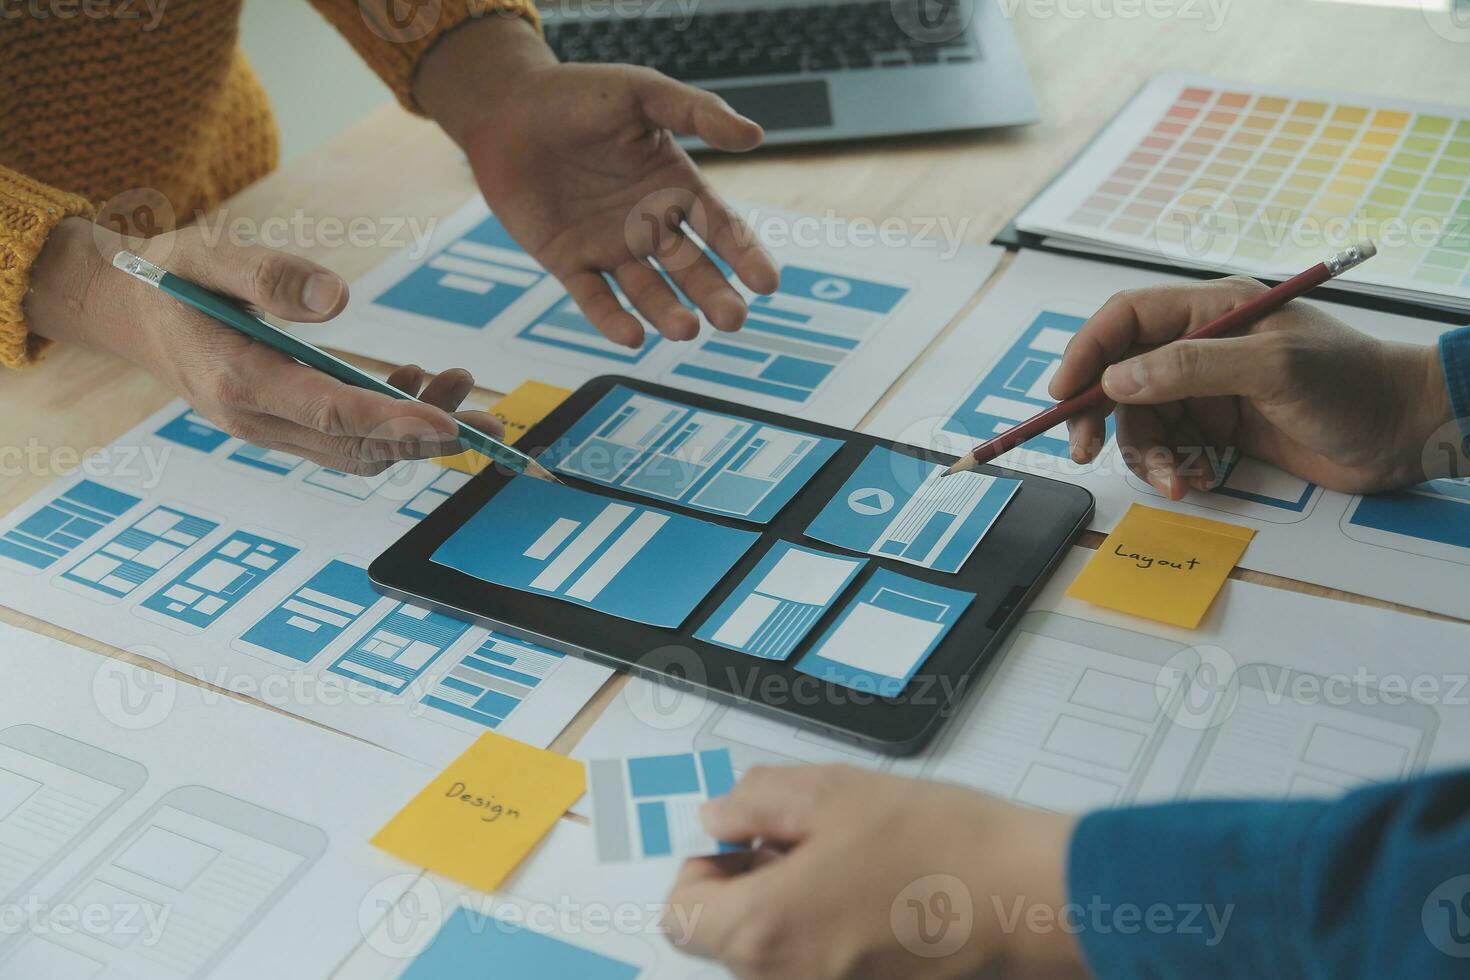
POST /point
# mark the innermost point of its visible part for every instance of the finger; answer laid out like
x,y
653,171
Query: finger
x,y
449,389
652,296
483,421
1086,434
1142,317
379,452
735,241
277,282
595,298
408,379
672,105
708,289
270,383
1142,437
1198,369
771,803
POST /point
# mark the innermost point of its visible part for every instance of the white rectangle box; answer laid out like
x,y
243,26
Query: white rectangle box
x,y
1360,755
1089,741
167,858
805,577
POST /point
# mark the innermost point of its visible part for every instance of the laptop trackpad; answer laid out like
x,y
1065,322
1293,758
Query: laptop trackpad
x,y
787,105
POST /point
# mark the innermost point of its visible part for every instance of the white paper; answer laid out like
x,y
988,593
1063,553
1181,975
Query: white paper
x,y
540,335
1277,694
232,839
282,537
1304,532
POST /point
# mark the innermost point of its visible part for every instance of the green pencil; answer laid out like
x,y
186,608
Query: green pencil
x,y
232,313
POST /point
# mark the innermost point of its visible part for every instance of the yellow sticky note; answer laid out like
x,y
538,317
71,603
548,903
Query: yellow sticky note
x,y
531,402
481,816
1162,565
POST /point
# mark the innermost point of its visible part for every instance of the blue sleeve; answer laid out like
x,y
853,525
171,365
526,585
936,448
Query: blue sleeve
x,y
1454,352
1372,885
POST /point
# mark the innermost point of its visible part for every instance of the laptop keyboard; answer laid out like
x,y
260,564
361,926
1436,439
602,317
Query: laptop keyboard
x,y
770,41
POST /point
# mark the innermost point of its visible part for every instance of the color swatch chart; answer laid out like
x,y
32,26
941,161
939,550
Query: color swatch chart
x,y
1273,180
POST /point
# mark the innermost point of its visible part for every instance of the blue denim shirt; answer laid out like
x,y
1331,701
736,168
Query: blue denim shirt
x,y
1376,884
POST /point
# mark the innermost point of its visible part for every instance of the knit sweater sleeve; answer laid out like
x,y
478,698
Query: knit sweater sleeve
x,y
392,36
28,212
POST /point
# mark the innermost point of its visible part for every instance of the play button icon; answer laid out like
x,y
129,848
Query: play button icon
x,y
831,289
870,501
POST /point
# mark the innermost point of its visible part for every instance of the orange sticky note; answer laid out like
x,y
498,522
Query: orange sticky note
x,y
481,816
1161,565
531,402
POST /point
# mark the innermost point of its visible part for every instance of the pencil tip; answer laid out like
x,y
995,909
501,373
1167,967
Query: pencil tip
x,y
539,472
962,465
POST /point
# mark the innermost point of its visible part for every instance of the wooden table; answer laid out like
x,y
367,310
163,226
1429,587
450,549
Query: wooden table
x,y
1087,57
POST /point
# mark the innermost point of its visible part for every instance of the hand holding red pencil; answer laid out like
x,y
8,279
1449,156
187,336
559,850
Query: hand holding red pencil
x,y
1297,388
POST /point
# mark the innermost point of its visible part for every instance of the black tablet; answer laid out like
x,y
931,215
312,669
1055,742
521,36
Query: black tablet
x,y
823,576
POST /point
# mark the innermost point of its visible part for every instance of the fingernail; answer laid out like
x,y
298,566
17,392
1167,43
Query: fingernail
x,y
321,292
1124,379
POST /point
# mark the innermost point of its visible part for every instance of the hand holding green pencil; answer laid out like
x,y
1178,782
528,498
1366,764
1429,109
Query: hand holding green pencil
x,y
241,384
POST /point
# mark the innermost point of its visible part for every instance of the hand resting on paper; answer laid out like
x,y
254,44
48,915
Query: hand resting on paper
x,y
1301,389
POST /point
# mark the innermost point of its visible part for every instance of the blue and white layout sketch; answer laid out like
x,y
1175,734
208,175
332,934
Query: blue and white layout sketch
x,y
139,551
63,524
704,460
397,652
637,563
491,681
215,582
897,506
1431,519
885,634
321,609
648,807
779,602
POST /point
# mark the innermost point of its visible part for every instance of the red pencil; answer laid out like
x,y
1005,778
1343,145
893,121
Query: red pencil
x,y
1242,316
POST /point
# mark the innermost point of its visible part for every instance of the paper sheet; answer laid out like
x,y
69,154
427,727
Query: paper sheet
x,y
1412,547
647,807
899,507
249,570
195,833
1161,565
476,820
1268,180
637,563
720,464
778,603
1086,707
885,634
848,319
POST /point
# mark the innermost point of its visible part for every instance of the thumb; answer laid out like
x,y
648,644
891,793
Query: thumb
x,y
684,109
277,282
1192,369
774,804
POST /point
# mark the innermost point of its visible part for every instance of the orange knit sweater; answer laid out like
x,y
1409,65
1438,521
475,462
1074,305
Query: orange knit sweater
x,y
104,99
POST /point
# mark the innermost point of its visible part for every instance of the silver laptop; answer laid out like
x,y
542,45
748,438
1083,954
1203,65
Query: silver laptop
x,y
813,70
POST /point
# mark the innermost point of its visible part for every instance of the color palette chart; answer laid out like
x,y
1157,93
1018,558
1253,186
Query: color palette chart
x,y
1272,180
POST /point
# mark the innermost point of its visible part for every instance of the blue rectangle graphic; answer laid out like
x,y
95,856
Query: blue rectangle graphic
x,y
779,602
215,582
440,489
633,562
885,634
705,460
310,618
64,524
898,506
1437,511
193,431
469,943
648,806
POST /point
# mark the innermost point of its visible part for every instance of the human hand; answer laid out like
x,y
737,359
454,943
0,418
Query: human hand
x,y
243,386
1300,389
578,162
871,875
